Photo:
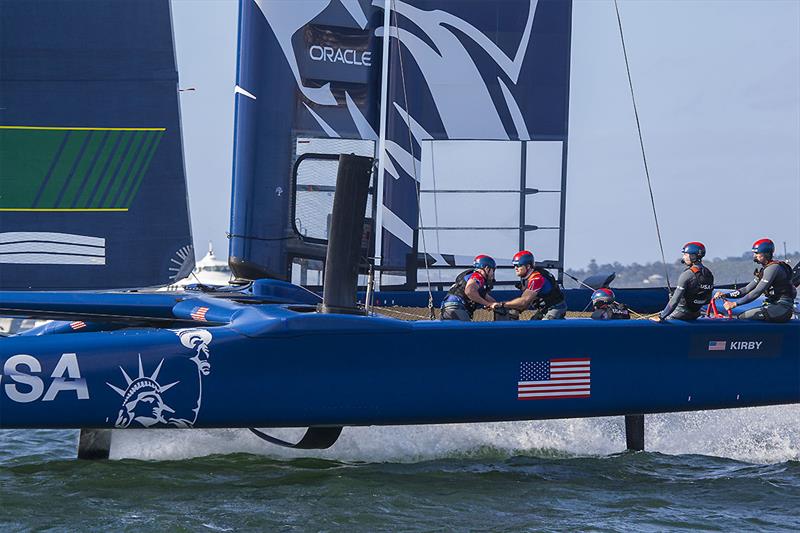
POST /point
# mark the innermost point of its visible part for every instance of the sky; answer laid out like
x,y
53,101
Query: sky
x,y
718,89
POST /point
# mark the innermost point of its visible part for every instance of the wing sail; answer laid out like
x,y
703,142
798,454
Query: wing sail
x,y
475,116
92,180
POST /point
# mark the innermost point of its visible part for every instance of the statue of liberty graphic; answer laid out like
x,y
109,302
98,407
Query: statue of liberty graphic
x,y
142,400
146,402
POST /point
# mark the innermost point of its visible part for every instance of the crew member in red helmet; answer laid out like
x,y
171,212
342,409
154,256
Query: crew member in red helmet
x,y
540,290
470,290
774,280
606,307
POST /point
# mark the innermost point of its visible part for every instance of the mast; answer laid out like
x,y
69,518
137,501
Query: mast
x,y
562,220
387,9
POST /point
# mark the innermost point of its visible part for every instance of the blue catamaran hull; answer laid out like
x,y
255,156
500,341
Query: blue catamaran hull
x,y
274,367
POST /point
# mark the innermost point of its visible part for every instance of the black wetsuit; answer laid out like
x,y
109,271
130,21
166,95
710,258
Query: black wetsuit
x,y
692,292
774,281
612,311
457,305
549,303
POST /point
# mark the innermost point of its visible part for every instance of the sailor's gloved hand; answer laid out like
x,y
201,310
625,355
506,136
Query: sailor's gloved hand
x,y
718,295
657,318
729,305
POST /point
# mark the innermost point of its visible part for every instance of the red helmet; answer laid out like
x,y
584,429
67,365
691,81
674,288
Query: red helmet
x,y
602,296
696,250
764,246
483,261
523,257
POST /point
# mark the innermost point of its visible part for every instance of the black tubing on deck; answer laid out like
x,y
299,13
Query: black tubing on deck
x,y
346,231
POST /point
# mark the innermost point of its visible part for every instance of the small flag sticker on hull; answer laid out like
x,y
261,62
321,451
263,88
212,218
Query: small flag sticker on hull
x,y
714,346
199,314
554,378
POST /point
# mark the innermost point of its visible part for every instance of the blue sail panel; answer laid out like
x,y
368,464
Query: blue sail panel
x,y
92,180
460,72
306,71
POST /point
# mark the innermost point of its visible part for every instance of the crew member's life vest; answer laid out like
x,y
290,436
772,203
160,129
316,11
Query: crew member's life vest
x,y
612,311
551,297
699,289
458,289
782,285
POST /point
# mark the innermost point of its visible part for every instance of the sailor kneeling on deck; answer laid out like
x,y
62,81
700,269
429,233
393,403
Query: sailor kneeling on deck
x,y
470,290
694,287
540,290
774,280
606,307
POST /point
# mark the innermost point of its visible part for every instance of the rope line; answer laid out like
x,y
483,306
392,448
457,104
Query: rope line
x,y
413,160
641,144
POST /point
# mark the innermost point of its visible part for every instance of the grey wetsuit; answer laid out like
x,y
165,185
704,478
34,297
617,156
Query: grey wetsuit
x,y
774,280
693,290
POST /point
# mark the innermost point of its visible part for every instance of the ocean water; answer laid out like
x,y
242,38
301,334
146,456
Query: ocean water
x,y
736,470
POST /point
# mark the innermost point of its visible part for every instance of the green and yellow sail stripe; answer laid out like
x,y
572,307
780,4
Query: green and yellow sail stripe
x,y
61,169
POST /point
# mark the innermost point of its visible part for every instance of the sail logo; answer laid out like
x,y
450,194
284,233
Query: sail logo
x,y
22,383
345,56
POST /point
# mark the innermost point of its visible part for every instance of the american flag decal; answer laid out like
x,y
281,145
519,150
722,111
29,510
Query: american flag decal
x,y
554,378
715,346
77,325
199,313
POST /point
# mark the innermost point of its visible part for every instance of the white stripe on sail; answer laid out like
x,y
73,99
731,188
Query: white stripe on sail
x,y
243,92
69,238
50,247
395,225
324,125
438,260
365,130
516,114
51,259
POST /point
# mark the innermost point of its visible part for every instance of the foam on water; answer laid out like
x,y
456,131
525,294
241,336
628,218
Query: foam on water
x,y
755,435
